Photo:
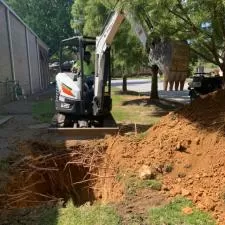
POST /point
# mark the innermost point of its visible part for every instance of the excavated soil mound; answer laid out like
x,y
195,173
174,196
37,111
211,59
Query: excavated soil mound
x,y
191,142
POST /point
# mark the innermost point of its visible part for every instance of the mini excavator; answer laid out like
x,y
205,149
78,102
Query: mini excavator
x,y
83,104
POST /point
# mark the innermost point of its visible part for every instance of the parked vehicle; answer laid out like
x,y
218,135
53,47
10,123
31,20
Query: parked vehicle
x,y
204,83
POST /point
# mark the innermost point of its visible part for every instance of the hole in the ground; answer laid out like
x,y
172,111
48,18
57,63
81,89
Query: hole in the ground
x,y
49,174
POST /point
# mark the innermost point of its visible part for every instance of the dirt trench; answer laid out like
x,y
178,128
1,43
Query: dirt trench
x,y
50,173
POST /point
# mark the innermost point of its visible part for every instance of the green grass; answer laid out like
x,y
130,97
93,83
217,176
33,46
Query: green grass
x,y
133,183
172,214
43,110
4,165
131,113
4,174
134,219
84,215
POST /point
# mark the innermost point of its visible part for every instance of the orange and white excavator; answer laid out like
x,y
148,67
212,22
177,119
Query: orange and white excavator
x,y
83,104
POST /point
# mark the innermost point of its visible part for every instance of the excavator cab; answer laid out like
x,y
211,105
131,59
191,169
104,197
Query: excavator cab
x,y
73,49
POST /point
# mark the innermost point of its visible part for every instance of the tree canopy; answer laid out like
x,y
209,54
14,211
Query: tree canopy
x,y
89,17
200,22
50,19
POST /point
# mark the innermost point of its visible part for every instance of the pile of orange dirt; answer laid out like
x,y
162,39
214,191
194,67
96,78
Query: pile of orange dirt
x,y
191,141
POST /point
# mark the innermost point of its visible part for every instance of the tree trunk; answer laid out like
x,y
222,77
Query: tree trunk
x,y
222,67
124,83
154,88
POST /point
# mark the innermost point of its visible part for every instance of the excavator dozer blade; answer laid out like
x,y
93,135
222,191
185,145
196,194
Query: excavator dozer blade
x,y
109,128
83,132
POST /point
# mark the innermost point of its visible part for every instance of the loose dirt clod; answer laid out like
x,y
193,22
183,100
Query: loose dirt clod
x,y
145,172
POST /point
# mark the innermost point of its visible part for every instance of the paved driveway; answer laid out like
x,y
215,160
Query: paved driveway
x,y
144,86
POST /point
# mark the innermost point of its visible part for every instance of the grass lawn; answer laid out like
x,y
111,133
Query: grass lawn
x,y
84,215
43,110
172,214
133,184
129,108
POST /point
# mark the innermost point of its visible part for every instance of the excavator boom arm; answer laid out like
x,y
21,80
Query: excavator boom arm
x,y
103,42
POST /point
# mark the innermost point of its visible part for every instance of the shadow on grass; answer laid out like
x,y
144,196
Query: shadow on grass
x,y
161,107
161,103
133,93
41,215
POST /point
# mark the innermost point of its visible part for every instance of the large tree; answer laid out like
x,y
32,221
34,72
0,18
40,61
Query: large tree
x,y
50,19
200,22
129,55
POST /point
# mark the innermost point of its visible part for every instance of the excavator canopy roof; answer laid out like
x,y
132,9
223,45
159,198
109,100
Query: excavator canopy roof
x,y
75,41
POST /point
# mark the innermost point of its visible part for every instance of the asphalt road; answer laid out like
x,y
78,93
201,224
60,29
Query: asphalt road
x,y
144,86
